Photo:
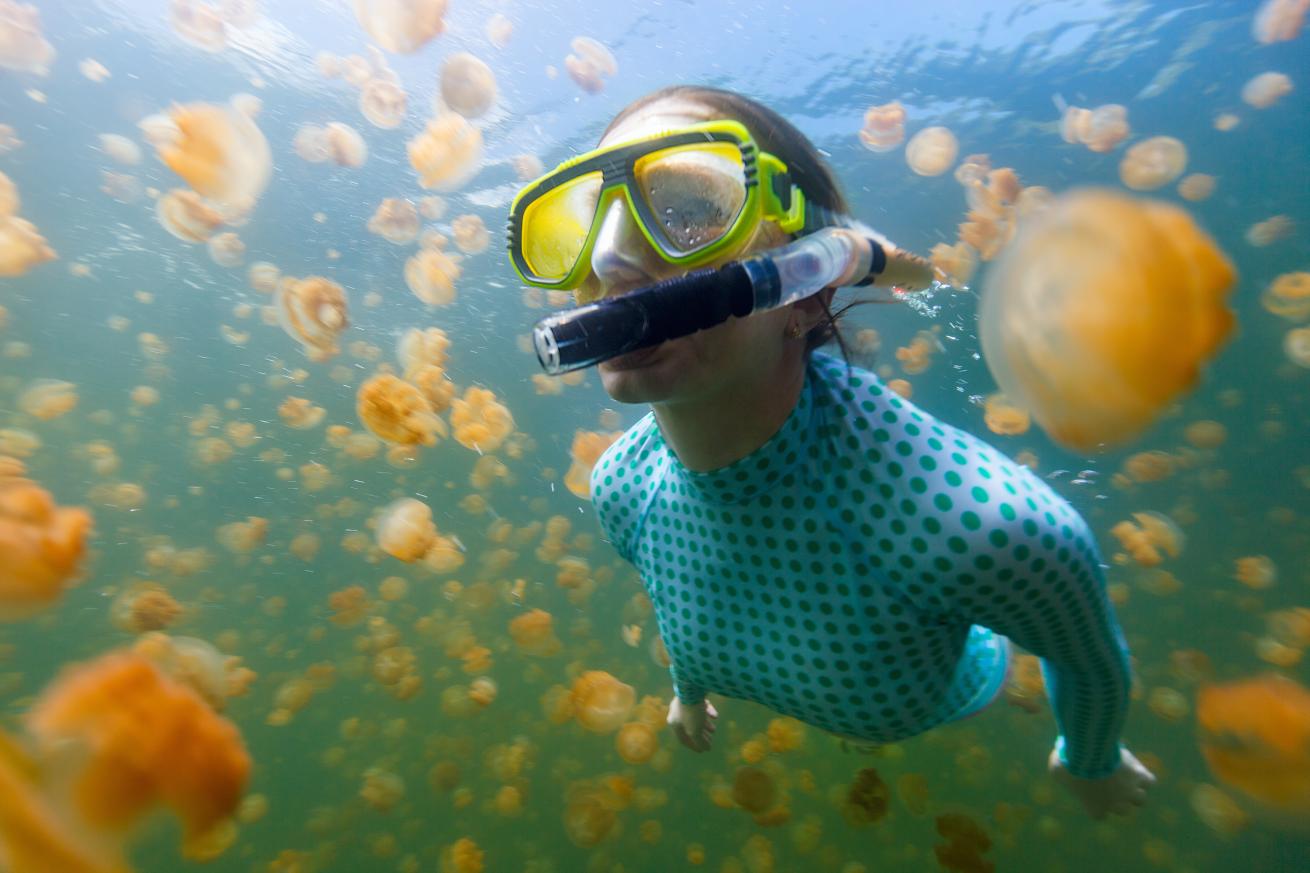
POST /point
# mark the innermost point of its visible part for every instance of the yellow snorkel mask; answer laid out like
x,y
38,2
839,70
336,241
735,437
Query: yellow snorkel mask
x,y
696,193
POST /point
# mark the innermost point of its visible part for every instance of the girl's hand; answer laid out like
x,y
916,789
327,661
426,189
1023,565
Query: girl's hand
x,y
1117,793
693,725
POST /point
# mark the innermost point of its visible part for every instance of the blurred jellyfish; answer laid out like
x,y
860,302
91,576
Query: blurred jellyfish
x,y
1004,418
931,151
587,448
405,529
1266,89
470,234
123,187
884,127
300,413
382,789
533,634
1269,231
867,800
218,150
526,166
145,606
243,536
422,348
396,411
23,47
447,153
383,102
588,815
467,85
1051,321
183,214
1099,129
1296,345
600,702
590,64
1196,187
954,264
1255,737
120,149
1256,571
499,29
479,421
1279,20
1148,537
227,249
754,790
344,145
1153,163
1288,296
312,311
48,399
41,547
401,26
21,246
431,275
396,220
965,844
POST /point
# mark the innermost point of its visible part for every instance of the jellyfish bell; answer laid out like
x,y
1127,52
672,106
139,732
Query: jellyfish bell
x,y
396,220
932,151
21,247
396,411
1053,315
447,153
23,46
405,529
1279,20
218,150
468,86
884,127
344,144
1266,89
401,26
120,149
383,102
1153,163
601,703
42,546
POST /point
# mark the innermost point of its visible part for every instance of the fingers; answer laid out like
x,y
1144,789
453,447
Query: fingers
x,y
710,710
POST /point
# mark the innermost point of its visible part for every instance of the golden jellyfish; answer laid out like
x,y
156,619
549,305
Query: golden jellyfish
x,y
226,249
467,85
383,102
1196,187
636,742
243,536
1266,89
754,790
1288,296
48,399
199,24
396,411
527,167
533,634
345,147
405,530
884,127
470,234
499,29
146,606
1255,738
1279,20
587,448
382,789
1205,434
41,547
148,741
401,26
479,421
1051,317
1099,129
1004,418
1256,571
396,220
1217,811
349,606
264,277
589,815
300,413
867,800
964,846
954,264
917,357
218,150
23,47
463,856
120,149
1296,344
590,64
431,275
21,246
422,348
1148,537
1270,231
447,153
186,216
1150,466
1153,163
601,703
932,151
312,311
197,665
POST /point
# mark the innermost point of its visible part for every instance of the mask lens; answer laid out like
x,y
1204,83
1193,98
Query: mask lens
x,y
696,192
555,226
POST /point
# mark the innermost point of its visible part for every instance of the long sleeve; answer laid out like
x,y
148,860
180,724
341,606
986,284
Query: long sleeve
x,y
688,692
1039,582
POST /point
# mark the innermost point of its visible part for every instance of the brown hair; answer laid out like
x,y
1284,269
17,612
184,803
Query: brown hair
x,y
779,137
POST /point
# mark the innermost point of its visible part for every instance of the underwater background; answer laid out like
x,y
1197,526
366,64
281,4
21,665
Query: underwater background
x,y
349,776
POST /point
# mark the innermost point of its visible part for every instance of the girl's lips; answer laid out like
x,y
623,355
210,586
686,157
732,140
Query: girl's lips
x,y
631,360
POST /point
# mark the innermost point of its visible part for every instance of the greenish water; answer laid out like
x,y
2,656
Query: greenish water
x,y
989,72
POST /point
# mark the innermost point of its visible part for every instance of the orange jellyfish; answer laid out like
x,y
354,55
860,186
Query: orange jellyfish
x,y
479,421
383,102
21,246
1149,537
1279,20
601,703
867,800
470,234
397,412
467,85
120,149
1288,296
932,151
396,220
1269,231
1266,89
636,742
1052,319
1099,129
754,790
48,399
1296,344
1255,737
300,413
264,276
422,348
447,153
23,47
589,815
431,275
345,147
964,846
1256,571
590,64
227,250
147,740
219,150
405,530
41,547
401,26
884,127
499,29
187,217
144,607
533,634
243,536
312,311
1196,187
1153,163
1003,417
954,264
587,448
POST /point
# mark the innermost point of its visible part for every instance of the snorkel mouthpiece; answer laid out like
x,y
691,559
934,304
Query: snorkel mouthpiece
x,y
705,298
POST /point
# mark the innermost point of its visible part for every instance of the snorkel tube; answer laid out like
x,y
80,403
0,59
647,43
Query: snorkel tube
x,y
683,305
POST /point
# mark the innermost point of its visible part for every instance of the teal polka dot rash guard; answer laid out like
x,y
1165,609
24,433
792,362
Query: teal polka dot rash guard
x,y
861,570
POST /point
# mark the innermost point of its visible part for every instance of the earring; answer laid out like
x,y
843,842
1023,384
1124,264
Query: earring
x,y
794,331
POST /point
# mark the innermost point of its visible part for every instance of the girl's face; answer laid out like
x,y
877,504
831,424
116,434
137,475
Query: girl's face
x,y
704,364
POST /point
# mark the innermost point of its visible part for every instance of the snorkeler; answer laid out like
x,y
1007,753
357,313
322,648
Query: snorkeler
x,y
810,540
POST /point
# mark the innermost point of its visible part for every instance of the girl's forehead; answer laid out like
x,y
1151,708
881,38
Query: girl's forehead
x,y
656,117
